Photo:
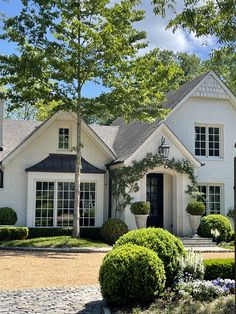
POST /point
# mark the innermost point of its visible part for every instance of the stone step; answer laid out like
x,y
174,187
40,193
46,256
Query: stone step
x,y
195,239
198,242
200,245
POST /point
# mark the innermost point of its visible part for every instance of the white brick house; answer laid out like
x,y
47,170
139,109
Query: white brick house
x,y
37,161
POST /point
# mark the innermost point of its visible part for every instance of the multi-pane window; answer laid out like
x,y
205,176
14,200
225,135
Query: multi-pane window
x,y
65,204
60,195
87,204
212,195
207,141
63,138
44,204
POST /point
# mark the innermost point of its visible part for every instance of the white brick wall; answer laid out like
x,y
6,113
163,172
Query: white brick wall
x,y
14,193
216,112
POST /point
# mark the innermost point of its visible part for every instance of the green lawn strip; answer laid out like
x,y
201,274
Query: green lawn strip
x,y
227,245
54,242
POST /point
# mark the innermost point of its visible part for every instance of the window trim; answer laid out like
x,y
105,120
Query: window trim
x,y
55,209
207,185
69,140
221,145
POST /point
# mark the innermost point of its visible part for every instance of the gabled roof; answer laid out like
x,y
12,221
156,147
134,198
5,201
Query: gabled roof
x,y
15,132
120,140
63,163
174,97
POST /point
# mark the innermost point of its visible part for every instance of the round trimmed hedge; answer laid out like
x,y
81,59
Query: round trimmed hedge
x,y
140,208
195,208
7,216
219,222
168,247
112,229
131,273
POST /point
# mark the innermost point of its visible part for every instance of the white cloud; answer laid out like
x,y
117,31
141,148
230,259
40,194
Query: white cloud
x,y
158,36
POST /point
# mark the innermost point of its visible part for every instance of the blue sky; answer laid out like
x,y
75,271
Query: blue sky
x,y
156,34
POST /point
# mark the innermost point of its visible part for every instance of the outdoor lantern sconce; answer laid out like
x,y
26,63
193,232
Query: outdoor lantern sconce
x,y
164,148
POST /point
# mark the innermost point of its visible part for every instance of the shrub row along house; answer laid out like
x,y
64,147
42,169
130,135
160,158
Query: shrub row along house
x,y
37,161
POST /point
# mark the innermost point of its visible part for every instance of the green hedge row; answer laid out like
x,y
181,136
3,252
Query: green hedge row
x,y
13,233
219,268
91,233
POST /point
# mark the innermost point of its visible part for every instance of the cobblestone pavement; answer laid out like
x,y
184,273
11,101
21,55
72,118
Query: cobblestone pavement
x,y
86,299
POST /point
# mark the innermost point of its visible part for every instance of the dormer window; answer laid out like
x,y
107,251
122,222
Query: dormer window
x,y
64,136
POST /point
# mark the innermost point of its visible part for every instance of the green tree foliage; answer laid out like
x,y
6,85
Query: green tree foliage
x,y
62,45
204,17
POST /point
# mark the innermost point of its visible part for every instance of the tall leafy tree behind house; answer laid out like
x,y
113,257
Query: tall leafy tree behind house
x,y
63,44
203,18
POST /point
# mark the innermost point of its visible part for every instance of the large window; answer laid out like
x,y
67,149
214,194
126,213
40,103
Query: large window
x,y
44,204
207,141
212,198
63,138
65,204
55,202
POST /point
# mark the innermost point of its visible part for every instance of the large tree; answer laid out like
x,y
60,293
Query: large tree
x,y
63,44
204,17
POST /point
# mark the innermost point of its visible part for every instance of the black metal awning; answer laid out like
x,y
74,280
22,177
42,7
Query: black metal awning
x,y
62,163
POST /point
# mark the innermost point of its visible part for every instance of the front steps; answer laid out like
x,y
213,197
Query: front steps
x,y
197,241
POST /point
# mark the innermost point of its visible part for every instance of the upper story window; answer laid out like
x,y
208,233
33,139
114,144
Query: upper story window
x,y
207,141
64,137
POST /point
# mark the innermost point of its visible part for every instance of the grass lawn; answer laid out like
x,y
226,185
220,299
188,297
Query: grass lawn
x,y
228,245
53,242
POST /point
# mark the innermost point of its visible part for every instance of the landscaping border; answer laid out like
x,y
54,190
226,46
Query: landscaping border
x,y
59,250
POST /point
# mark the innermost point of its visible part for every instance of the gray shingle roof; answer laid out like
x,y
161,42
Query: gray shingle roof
x,y
123,139
63,163
107,134
174,97
15,132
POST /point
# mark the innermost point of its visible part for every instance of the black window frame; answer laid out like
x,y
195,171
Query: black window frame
x,y
1,178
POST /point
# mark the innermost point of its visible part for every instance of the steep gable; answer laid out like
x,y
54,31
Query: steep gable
x,y
211,88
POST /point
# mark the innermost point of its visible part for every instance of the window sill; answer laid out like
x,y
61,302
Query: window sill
x,y
202,158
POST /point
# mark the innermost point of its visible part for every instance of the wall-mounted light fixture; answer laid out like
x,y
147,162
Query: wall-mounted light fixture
x,y
164,148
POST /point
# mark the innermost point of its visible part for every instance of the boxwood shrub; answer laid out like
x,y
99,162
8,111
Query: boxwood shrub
x,y
131,273
112,229
219,222
168,247
13,233
195,208
140,208
7,216
219,268
91,233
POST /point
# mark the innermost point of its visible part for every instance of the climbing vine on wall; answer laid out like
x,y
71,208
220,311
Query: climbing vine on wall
x,y
124,180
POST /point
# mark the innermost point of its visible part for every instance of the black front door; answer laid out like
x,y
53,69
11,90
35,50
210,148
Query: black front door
x,y
155,197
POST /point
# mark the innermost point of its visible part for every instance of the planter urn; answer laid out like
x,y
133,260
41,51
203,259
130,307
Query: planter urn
x,y
141,221
194,221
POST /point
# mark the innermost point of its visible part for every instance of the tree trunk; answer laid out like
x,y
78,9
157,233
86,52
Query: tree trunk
x,y
76,216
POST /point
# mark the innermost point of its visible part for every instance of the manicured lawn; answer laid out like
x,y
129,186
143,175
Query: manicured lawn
x,y
54,242
228,245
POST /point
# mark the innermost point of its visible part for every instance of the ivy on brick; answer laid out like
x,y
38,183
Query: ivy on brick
x,y
124,180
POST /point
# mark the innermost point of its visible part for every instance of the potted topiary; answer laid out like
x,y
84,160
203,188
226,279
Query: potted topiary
x,y
140,211
195,211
